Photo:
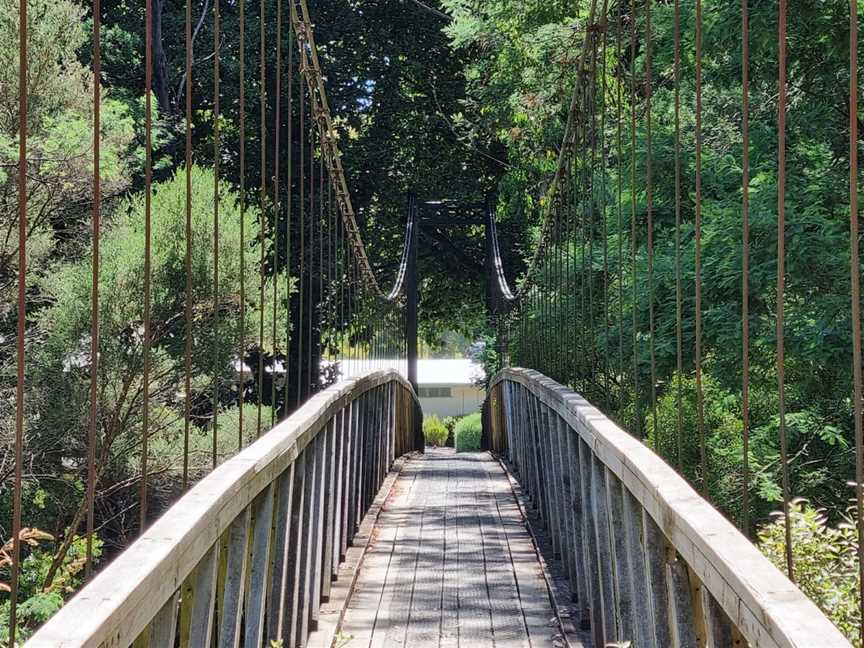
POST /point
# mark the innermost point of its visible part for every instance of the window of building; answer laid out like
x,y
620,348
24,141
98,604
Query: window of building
x,y
435,392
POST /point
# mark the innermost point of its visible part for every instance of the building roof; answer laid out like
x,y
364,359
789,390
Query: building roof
x,y
433,371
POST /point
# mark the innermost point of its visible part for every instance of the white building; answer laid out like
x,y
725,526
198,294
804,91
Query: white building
x,y
448,387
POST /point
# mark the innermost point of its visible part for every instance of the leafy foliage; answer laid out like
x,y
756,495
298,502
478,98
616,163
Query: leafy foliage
x,y
826,562
468,432
38,600
434,431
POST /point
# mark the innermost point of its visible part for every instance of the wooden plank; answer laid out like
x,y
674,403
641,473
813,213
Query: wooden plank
x,y
589,540
391,628
450,576
624,594
655,560
277,593
201,627
163,629
231,613
475,608
424,617
603,533
682,622
329,510
336,555
366,604
317,523
259,562
296,551
508,620
310,503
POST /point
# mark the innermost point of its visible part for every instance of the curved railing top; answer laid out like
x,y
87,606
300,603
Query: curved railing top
x,y
764,605
131,590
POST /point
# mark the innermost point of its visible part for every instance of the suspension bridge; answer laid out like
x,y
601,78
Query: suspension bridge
x,y
332,525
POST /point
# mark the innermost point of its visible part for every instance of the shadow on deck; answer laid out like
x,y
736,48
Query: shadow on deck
x,y
450,562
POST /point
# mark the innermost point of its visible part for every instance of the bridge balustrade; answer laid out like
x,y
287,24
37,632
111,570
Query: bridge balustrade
x,y
246,556
648,560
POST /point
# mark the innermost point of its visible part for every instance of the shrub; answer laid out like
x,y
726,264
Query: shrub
x,y
468,431
450,423
825,559
434,431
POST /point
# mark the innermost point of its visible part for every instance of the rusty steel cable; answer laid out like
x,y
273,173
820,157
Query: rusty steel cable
x,y
310,304
745,263
603,189
217,35
620,203
322,203
187,359
637,412
855,278
242,182
94,288
781,280
700,396
148,260
591,174
288,212
649,208
15,566
277,205
679,294
301,277
263,217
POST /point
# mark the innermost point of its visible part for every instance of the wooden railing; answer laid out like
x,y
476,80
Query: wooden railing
x,y
246,556
649,561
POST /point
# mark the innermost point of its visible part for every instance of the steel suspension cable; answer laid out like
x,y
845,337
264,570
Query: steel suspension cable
x,y
277,206
94,289
148,253
700,398
637,412
679,294
745,262
591,174
301,277
289,206
187,359
649,190
620,203
310,305
242,146
781,282
603,188
855,279
263,217
23,60
217,36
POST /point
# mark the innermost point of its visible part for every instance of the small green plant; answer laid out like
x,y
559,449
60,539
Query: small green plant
x,y
825,559
434,431
468,431
450,423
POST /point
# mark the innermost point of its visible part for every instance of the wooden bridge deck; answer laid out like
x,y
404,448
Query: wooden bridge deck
x,y
450,563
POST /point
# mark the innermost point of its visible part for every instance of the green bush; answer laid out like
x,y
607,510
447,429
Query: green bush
x,y
468,431
450,423
434,431
825,559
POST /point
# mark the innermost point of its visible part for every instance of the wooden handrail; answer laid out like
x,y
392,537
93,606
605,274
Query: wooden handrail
x,y
253,546
649,560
